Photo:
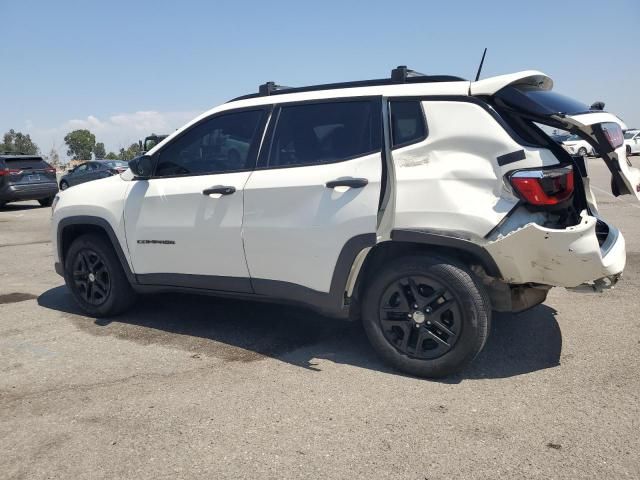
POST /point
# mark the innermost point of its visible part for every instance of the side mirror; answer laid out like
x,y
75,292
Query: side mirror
x,y
142,167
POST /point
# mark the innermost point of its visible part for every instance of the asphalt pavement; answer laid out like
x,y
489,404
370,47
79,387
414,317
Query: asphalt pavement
x,y
198,387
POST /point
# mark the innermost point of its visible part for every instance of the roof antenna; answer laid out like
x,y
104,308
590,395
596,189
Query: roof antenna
x,y
481,63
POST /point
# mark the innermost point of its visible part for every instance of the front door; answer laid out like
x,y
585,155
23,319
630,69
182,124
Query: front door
x,y
184,224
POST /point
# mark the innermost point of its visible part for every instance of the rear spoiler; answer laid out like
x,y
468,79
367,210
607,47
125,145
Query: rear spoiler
x,y
489,86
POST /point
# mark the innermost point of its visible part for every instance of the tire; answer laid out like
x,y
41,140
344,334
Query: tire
x,y
45,202
628,151
94,275
582,152
460,317
64,185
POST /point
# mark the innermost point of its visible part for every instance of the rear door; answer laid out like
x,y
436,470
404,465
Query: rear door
x,y
602,130
315,193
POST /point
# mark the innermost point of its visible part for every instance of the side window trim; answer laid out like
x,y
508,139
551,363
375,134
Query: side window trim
x,y
263,158
425,122
253,150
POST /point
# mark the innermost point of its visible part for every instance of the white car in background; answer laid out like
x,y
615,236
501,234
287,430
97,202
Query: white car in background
x,y
575,145
632,141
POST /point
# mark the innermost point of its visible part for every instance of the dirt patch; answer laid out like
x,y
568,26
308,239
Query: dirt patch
x,y
16,297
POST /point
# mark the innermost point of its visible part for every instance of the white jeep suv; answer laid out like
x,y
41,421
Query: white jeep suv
x,y
418,204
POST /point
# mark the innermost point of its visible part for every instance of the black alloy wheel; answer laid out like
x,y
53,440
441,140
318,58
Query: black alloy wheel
x,y
420,317
426,315
91,277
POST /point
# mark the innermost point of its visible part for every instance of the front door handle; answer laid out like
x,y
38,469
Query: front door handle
x,y
219,189
348,182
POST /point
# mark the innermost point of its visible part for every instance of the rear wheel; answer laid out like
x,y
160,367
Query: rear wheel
x,y
46,202
64,185
426,316
582,152
96,278
628,151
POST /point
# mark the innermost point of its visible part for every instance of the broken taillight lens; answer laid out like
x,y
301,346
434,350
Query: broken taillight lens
x,y
543,187
614,134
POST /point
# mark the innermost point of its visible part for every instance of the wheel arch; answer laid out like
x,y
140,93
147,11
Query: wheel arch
x,y
71,228
416,242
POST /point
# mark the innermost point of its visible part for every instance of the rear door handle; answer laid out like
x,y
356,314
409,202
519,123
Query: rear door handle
x,y
348,182
219,189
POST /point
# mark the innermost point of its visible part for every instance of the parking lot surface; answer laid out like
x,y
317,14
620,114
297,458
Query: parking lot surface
x,y
198,387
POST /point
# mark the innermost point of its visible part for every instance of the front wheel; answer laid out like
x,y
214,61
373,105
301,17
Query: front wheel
x,y
582,152
46,202
95,276
628,151
64,185
426,316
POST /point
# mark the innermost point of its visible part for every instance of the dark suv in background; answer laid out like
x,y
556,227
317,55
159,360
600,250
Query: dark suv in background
x,y
26,177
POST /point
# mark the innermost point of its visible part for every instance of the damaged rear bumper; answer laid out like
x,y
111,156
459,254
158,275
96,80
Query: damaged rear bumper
x,y
570,257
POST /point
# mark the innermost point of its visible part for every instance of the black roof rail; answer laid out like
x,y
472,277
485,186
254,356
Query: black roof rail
x,y
270,88
400,74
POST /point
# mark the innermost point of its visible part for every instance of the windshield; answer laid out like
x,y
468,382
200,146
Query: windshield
x,y
573,138
630,134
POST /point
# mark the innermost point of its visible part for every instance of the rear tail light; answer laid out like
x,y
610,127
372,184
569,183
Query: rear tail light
x,y
613,132
50,170
543,187
9,171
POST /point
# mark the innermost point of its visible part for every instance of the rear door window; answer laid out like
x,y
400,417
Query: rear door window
x,y
407,123
317,133
538,102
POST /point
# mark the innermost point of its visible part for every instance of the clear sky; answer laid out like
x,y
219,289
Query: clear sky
x,y
125,69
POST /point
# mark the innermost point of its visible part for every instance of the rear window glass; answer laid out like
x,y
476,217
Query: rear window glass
x,y
325,132
116,163
540,102
407,123
26,163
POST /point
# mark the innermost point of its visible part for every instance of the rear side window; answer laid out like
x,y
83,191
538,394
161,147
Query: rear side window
x,y
319,133
407,123
34,163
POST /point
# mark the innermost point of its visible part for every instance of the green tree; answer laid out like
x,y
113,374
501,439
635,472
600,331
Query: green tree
x,y
111,156
99,150
18,142
80,144
129,153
